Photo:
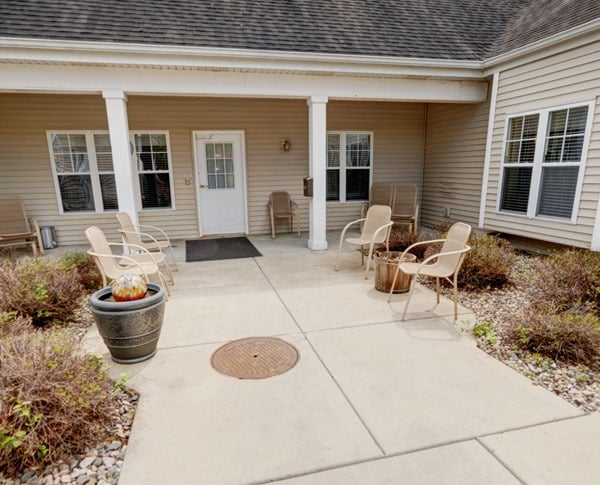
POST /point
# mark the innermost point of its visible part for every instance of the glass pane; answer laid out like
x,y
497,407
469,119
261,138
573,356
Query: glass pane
x,y
63,162
212,181
219,152
573,149
512,152
577,120
558,191
220,166
515,127
556,124
220,181
515,189
553,150
530,126
527,151
102,142
145,162
229,166
76,193
109,192
142,143
161,161
105,163
159,143
351,158
357,184
210,150
230,183
364,158
60,143
80,162
333,142
211,167
333,158
78,143
333,185
228,150
155,190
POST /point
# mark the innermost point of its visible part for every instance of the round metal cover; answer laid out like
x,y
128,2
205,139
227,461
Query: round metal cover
x,y
254,358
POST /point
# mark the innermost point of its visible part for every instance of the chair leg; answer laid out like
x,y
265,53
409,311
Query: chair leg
x,y
437,289
337,260
298,225
369,260
410,292
172,254
455,297
362,256
272,225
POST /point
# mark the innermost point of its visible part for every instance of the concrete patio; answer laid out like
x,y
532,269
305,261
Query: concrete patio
x,y
371,400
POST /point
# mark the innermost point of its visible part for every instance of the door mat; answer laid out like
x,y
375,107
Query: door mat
x,y
222,248
255,358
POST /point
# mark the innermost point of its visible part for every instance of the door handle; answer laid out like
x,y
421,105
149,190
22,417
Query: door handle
x,y
202,186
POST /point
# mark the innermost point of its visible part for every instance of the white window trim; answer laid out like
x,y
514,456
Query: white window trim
x,y
538,164
94,173
342,188
132,134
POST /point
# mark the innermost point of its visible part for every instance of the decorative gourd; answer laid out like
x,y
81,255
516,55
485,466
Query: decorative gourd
x,y
129,287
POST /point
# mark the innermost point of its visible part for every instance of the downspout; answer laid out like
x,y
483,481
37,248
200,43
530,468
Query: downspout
x,y
488,149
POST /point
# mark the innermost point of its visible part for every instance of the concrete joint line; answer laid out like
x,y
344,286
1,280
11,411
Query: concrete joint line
x,y
500,460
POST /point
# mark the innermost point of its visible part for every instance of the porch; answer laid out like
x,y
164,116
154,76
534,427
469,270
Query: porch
x,y
371,399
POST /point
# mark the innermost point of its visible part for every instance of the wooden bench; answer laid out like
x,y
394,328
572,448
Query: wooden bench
x,y
16,229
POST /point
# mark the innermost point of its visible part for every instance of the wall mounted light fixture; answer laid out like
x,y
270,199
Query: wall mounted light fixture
x,y
285,145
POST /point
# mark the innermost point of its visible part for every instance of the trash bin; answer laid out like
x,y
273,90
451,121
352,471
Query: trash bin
x,y
48,237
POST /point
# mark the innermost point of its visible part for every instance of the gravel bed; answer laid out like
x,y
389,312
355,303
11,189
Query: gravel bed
x,y
99,465
577,384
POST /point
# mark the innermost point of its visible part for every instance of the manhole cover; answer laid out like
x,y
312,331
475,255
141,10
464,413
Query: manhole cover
x,y
255,358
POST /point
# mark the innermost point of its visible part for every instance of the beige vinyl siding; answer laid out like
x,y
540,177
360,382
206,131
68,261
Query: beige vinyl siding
x,y
566,78
397,145
454,156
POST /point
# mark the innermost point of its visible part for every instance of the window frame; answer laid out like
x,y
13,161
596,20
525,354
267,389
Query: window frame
x,y
539,163
138,189
342,167
94,173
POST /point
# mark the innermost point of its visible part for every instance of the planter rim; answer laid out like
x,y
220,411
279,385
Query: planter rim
x,y
97,300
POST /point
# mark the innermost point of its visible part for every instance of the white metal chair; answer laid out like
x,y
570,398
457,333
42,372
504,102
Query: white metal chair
x,y
445,264
375,230
132,234
112,266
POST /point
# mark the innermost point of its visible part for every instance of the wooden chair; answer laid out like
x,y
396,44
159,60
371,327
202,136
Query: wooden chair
x,y
375,230
16,229
444,264
281,206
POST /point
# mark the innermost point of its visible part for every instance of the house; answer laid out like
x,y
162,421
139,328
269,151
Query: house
x,y
188,114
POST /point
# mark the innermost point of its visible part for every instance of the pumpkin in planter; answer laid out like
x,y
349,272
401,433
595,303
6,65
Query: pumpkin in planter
x,y
129,287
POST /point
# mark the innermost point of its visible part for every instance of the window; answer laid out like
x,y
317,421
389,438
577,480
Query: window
x,y
83,171
349,162
84,174
544,157
152,159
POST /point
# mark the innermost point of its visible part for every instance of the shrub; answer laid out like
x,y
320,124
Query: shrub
x,y
567,336
11,323
54,401
40,289
87,270
488,263
569,278
400,239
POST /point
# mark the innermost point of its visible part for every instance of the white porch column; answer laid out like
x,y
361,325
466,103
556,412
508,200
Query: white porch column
x,y
118,128
317,156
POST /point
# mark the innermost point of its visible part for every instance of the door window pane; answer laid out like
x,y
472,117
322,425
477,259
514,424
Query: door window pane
x,y
219,165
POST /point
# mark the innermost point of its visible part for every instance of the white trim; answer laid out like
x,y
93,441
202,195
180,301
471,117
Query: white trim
x,y
538,163
171,170
114,53
317,166
488,148
207,135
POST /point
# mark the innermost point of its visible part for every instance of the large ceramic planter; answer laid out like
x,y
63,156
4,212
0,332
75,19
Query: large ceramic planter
x,y
386,263
130,329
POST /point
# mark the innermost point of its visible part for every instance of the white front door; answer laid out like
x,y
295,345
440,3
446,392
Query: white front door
x,y
221,182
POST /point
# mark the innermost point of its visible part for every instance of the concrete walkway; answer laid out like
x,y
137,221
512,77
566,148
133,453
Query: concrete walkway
x,y
372,400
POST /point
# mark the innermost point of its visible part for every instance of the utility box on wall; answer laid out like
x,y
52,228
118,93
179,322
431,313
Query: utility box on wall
x,y
308,186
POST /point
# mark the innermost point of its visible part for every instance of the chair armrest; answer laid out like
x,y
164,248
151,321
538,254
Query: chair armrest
x,y
136,247
163,233
119,257
419,244
380,228
143,234
349,224
437,255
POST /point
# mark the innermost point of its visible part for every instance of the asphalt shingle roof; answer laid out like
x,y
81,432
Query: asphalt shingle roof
x,y
439,29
